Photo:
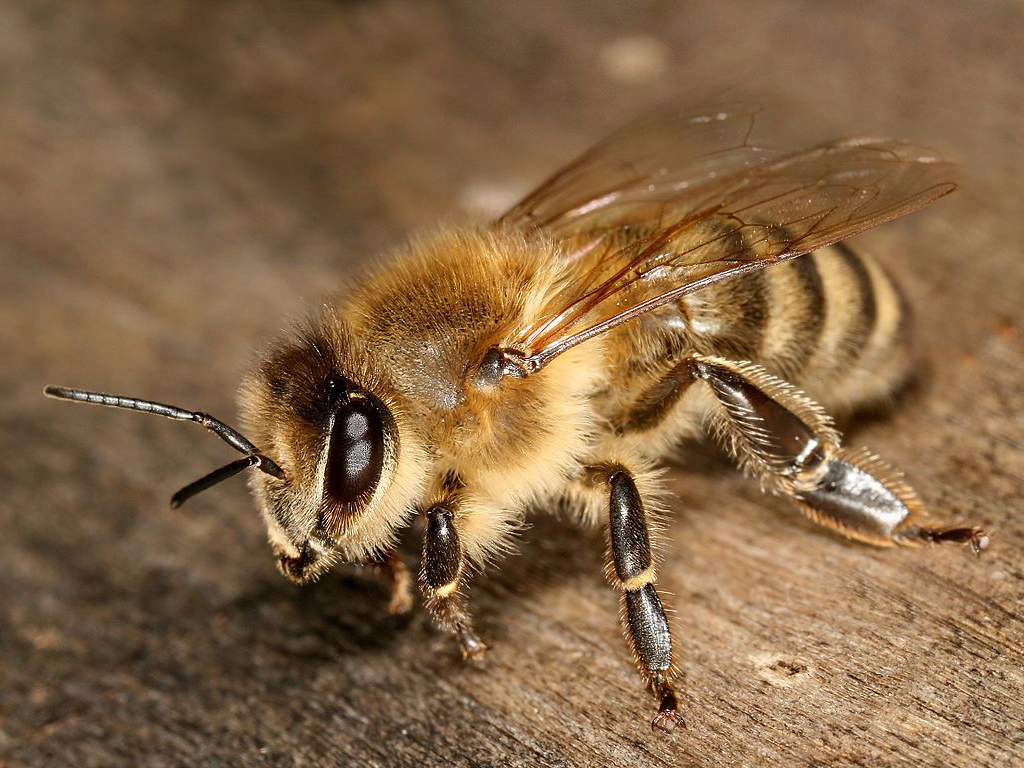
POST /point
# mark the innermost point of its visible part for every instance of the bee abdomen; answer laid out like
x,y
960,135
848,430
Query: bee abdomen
x,y
837,327
831,323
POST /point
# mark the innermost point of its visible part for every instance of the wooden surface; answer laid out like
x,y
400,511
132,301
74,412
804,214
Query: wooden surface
x,y
178,179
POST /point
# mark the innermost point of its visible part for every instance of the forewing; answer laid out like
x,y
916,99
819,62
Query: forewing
x,y
655,158
747,217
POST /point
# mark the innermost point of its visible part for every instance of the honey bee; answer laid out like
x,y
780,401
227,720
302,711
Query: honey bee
x,y
674,280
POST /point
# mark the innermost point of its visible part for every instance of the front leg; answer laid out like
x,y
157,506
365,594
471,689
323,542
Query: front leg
x,y
632,570
391,569
441,572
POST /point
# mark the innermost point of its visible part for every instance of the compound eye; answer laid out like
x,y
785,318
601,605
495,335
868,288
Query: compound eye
x,y
356,454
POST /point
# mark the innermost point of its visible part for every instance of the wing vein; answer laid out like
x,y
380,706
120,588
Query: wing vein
x,y
682,201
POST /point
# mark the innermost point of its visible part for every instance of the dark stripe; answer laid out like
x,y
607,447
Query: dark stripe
x,y
742,301
899,341
651,408
906,320
746,298
756,314
861,327
809,321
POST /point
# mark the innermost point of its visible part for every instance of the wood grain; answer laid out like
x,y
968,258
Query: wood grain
x,y
178,179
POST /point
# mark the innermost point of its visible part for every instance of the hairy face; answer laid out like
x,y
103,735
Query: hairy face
x,y
331,424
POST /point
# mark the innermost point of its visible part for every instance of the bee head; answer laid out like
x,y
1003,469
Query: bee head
x,y
351,461
340,462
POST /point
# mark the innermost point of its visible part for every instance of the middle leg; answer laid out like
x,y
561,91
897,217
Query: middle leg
x,y
631,569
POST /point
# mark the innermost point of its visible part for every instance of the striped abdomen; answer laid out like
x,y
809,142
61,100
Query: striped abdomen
x,y
831,322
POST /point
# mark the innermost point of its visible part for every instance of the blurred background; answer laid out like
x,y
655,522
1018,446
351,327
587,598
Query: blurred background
x,y
180,179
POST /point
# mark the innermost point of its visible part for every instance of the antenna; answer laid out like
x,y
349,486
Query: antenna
x,y
253,457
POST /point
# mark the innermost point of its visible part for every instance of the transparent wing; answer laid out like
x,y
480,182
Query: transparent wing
x,y
690,221
656,157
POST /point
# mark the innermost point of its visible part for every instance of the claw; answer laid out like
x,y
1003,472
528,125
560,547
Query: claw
x,y
473,648
401,602
667,721
668,716
976,538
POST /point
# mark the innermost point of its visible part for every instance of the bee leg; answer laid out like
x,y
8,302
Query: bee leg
x,y
632,570
787,442
391,568
441,571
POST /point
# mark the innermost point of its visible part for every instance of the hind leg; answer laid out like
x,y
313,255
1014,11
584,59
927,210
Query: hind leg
x,y
787,442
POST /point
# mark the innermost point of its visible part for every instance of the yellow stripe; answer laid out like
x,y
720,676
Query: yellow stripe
x,y
446,589
643,578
